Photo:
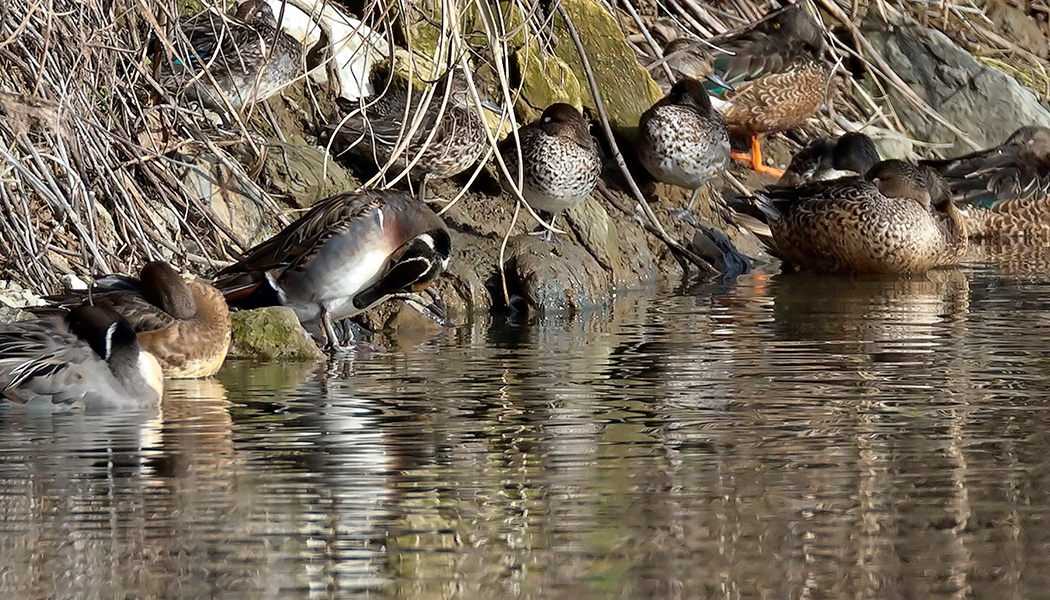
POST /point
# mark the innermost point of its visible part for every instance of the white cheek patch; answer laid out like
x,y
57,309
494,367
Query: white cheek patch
x,y
719,104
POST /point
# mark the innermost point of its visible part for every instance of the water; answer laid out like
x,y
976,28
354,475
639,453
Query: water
x,y
789,437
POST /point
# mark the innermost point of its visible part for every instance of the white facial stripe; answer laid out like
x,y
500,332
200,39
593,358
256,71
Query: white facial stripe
x,y
109,340
273,283
428,240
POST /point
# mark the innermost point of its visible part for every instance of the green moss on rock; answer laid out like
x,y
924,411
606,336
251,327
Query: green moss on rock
x,y
271,334
626,88
545,80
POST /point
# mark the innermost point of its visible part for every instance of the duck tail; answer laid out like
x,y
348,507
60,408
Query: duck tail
x,y
765,205
246,293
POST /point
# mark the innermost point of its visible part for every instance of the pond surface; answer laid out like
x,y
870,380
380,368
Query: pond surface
x,y
786,437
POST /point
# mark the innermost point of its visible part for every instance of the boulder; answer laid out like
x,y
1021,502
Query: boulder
x,y
983,102
555,277
272,333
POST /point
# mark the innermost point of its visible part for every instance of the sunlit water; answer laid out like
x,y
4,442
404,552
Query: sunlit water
x,y
786,437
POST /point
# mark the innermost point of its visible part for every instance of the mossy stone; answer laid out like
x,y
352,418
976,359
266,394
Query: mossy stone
x,y
272,333
626,88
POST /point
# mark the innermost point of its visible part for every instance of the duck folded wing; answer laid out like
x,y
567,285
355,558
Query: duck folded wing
x,y
32,366
295,245
384,120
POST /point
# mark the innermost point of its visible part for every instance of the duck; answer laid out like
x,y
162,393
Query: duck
x,y
347,254
560,161
92,360
449,139
822,159
185,324
233,60
777,77
1004,191
682,139
897,218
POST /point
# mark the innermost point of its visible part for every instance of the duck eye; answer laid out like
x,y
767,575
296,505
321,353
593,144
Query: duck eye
x,y
776,25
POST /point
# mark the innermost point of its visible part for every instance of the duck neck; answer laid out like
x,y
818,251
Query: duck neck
x,y
138,371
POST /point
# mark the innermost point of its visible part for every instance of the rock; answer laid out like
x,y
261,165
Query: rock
x,y
71,282
627,89
558,277
13,295
545,79
1023,29
272,333
233,198
300,173
983,102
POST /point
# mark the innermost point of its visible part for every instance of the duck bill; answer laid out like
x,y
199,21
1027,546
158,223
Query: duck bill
x,y
716,79
492,106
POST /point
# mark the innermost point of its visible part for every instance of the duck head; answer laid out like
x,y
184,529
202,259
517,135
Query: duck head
x,y
563,120
112,339
165,288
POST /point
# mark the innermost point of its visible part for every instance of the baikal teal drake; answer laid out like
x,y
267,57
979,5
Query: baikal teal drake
x,y
1004,192
234,60
89,359
346,254
776,73
899,218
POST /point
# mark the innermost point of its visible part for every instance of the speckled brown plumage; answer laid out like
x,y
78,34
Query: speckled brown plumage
x,y
776,70
682,139
246,55
899,218
1004,191
447,141
561,163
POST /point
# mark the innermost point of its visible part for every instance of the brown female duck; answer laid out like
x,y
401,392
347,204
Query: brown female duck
x,y
777,76
899,218
682,139
448,140
1004,191
185,324
560,162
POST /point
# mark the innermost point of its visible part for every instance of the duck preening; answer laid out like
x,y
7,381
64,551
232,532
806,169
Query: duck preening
x,y
346,254
1004,191
185,324
90,358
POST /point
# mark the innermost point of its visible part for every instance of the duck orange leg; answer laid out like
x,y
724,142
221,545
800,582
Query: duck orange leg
x,y
755,158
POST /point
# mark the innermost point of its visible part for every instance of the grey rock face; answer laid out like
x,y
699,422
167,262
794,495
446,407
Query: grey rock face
x,y
982,101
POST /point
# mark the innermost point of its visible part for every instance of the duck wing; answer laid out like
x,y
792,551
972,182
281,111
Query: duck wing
x,y
993,177
120,293
295,245
33,358
384,121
